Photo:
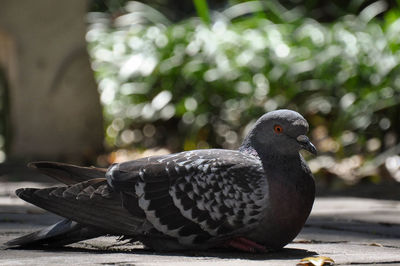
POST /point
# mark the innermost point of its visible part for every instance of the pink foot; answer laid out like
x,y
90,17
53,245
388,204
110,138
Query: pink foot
x,y
246,245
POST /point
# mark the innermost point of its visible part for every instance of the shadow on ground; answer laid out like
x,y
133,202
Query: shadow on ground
x,y
283,254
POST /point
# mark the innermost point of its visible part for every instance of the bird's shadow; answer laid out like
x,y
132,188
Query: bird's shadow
x,y
285,253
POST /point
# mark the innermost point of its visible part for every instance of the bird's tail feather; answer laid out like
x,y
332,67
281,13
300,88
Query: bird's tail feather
x,y
62,233
90,203
87,203
67,173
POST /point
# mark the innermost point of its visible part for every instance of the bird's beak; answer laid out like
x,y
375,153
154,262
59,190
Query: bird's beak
x,y
306,144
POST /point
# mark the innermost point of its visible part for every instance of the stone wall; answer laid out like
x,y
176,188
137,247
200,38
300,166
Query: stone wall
x,y
54,111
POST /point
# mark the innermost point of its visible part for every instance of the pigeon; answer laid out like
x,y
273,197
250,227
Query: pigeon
x,y
253,199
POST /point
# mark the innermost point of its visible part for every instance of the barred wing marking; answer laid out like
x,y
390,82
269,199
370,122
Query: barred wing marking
x,y
196,195
226,192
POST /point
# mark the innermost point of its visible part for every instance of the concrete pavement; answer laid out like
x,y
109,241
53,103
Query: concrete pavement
x,y
349,230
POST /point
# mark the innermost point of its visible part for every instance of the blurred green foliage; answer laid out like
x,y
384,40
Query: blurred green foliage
x,y
175,10
192,85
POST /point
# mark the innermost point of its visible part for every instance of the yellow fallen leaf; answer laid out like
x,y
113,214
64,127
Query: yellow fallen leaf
x,y
375,245
316,261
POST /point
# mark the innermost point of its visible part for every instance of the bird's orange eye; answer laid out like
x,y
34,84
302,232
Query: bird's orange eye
x,y
278,129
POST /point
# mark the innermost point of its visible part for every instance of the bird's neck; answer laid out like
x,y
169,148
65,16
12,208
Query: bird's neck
x,y
248,149
278,166
285,165
269,155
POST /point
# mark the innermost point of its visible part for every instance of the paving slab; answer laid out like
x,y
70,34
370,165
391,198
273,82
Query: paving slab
x,y
352,231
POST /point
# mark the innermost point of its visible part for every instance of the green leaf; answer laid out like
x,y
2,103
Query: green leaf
x,y
202,10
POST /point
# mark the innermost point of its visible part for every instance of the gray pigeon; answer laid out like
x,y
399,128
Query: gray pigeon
x,y
252,199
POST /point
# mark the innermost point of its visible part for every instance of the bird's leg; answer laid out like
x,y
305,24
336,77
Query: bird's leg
x,y
246,245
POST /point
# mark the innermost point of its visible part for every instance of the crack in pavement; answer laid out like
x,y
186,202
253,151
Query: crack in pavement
x,y
119,263
368,232
313,241
369,263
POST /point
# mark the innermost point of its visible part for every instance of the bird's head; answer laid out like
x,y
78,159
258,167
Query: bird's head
x,y
280,132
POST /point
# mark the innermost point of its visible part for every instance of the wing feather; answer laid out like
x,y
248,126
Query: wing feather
x,y
88,206
196,195
67,173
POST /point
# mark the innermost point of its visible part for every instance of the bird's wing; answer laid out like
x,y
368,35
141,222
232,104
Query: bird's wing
x,y
195,195
62,233
67,173
89,203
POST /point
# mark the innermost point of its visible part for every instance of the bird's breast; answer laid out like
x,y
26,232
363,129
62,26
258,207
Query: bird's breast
x,y
289,204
